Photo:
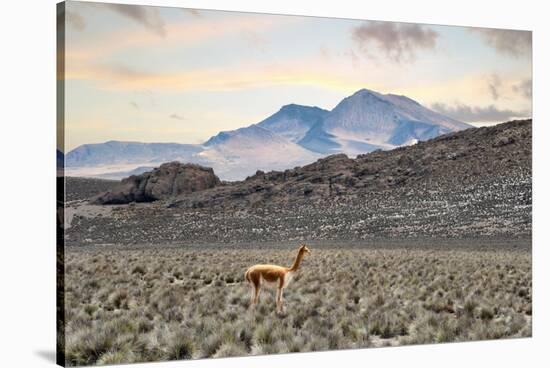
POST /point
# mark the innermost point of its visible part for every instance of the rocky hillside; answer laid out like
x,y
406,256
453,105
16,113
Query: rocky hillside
x,y
444,164
467,185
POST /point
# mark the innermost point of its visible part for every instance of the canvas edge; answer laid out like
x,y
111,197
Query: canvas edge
x,y
60,183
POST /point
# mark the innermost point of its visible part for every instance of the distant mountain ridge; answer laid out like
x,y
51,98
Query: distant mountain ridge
x,y
293,136
129,152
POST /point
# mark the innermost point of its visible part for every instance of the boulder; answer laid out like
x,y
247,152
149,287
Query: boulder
x,y
503,141
169,180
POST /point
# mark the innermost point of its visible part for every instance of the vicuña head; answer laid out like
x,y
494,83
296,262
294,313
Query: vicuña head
x,y
273,274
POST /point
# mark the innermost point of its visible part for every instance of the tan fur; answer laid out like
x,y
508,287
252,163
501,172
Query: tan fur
x,y
273,274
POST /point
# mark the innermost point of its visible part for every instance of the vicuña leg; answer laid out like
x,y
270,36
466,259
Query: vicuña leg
x,y
280,300
252,295
256,295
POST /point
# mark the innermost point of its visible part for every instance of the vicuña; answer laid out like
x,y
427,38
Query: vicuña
x,y
273,274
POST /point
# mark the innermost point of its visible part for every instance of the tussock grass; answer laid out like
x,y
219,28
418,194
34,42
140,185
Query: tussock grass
x,y
429,296
168,303
145,305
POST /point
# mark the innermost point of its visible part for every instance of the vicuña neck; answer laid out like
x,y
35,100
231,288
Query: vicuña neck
x,y
297,261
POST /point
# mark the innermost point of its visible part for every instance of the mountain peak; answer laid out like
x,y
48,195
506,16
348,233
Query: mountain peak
x,y
389,97
291,106
293,121
365,92
296,108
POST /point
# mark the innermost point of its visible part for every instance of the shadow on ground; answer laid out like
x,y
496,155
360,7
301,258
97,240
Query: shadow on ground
x,y
48,355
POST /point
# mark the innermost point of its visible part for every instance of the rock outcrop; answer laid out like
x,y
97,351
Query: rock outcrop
x,y
169,180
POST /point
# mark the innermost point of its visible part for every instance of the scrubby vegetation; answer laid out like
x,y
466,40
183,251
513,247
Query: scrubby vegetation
x,y
162,304
135,305
427,296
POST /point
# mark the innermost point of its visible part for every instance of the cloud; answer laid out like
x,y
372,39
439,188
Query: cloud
x,y
494,83
478,114
254,39
399,41
193,12
178,34
177,117
524,88
147,16
75,20
354,58
506,41
134,105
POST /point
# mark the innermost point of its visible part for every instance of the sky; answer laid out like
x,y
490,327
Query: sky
x,y
161,74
